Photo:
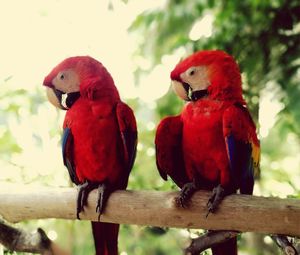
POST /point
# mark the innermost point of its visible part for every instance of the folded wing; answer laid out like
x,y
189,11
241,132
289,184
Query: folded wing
x,y
169,155
128,132
242,147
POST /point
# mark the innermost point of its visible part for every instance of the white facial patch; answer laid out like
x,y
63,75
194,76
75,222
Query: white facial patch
x,y
67,81
196,77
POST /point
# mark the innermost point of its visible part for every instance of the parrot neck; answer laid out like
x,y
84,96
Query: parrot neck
x,y
226,92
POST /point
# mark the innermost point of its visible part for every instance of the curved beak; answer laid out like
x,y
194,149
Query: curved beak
x,y
182,89
56,97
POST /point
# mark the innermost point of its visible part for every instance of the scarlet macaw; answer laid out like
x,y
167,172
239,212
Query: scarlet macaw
x,y
212,144
99,138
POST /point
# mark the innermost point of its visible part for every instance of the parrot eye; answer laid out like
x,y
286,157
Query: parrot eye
x,y
62,76
191,72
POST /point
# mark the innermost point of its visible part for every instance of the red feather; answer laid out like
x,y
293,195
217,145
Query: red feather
x,y
169,152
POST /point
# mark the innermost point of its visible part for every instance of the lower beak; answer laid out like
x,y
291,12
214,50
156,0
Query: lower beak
x,y
55,97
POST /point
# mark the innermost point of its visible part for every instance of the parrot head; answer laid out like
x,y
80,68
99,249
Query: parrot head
x,y
210,73
75,77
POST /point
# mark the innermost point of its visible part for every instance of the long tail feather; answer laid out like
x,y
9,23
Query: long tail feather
x,y
106,238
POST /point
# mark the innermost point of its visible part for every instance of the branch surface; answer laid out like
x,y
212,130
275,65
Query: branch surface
x,y
156,208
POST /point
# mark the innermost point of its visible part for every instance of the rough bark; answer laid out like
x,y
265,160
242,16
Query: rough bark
x,y
237,212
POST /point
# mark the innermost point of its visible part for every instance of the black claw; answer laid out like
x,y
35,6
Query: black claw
x,y
215,199
211,199
103,194
208,212
83,193
185,194
82,197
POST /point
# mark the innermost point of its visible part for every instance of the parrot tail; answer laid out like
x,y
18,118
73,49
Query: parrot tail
x,y
106,238
227,248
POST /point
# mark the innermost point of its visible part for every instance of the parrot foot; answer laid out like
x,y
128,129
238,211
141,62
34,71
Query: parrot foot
x,y
82,197
186,193
103,194
214,201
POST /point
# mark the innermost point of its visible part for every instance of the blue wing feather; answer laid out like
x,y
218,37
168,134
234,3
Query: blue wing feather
x,y
67,154
241,164
65,135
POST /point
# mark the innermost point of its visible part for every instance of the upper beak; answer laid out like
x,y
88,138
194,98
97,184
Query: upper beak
x,y
54,95
182,89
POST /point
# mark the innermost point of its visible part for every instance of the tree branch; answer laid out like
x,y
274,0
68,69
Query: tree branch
x,y
237,212
212,238
208,240
16,239
284,244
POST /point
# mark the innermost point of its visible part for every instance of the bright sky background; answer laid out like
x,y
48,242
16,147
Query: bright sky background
x,y
36,35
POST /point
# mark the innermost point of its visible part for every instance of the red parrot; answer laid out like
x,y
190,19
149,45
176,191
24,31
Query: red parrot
x,y
99,138
212,144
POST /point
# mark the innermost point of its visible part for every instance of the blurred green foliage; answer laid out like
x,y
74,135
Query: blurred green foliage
x,y
264,38
262,35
